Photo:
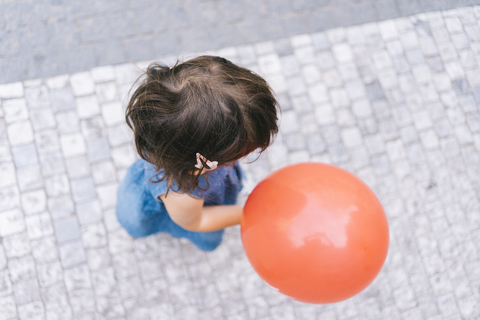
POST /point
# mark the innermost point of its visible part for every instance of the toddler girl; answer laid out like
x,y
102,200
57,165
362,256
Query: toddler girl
x,y
191,124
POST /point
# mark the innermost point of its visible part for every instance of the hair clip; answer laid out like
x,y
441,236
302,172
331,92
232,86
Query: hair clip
x,y
211,164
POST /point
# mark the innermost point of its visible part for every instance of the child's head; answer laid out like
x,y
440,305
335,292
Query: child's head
x,y
206,105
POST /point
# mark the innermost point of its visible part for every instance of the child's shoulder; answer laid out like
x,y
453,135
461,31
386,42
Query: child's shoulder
x,y
142,165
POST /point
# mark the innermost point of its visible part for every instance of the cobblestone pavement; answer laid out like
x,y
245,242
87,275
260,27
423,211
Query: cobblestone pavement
x,y
43,38
395,102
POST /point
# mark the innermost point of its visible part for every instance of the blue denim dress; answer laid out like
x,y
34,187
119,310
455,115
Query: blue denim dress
x,y
141,212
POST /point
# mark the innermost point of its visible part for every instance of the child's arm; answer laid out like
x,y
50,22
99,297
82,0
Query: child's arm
x,y
189,213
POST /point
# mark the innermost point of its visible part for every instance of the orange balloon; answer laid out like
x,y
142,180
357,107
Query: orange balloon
x,y
315,232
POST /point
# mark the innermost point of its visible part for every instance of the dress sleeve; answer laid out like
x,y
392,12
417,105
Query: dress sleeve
x,y
157,188
151,176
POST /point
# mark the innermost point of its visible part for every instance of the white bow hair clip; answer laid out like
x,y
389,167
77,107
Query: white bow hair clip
x,y
211,164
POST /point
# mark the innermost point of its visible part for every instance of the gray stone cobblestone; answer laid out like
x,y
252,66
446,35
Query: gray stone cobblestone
x,y
395,102
91,35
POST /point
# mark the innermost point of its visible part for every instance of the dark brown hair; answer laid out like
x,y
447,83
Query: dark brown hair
x,y
207,105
